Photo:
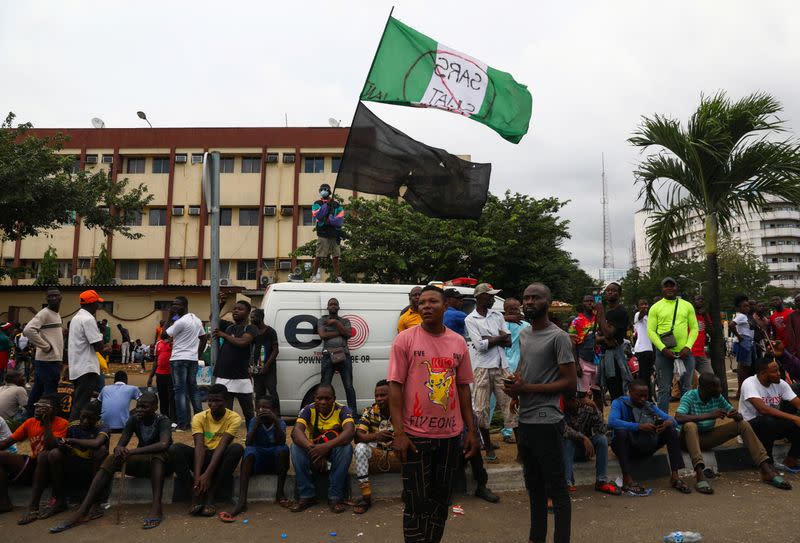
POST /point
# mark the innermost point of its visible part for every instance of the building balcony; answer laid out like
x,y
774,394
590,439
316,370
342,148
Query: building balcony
x,y
783,266
780,232
780,215
780,250
791,284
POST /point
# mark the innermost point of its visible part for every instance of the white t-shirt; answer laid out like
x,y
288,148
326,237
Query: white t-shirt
x,y
643,342
83,333
236,386
185,334
743,326
771,395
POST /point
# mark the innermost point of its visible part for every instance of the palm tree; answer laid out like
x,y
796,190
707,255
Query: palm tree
x,y
728,159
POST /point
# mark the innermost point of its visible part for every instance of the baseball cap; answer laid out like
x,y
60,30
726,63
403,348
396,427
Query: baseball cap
x,y
452,293
668,280
90,296
6,326
485,288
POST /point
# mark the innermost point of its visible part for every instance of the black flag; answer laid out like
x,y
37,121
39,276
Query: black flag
x,y
379,159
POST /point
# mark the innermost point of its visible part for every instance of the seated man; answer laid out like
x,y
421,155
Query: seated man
x,y
147,460
77,458
585,434
211,462
265,452
761,397
43,431
13,397
116,400
698,413
374,431
321,436
640,429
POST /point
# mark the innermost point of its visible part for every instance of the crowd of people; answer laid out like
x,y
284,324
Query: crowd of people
x,y
431,415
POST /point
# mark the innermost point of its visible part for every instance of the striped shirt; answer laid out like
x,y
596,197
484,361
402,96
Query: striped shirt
x,y
691,404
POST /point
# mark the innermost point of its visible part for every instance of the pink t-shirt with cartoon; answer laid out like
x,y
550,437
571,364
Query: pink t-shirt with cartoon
x,y
429,367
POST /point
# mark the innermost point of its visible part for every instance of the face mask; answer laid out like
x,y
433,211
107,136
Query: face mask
x,y
324,194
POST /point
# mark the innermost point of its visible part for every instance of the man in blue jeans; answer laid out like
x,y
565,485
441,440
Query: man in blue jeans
x,y
743,327
44,332
335,331
672,328
188,342
585,431
322,435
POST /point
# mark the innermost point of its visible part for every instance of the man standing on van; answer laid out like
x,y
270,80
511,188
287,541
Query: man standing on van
x,y
328,218
430,403
45,333
410,316
335,331
188,343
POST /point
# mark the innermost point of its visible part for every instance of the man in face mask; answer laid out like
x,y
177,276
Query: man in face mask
x,y
328,217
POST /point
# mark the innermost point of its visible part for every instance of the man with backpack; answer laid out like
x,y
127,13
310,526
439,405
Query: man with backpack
x,y
328,217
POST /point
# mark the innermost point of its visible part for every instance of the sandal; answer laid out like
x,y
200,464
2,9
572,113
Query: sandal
x,y
607,488
635,489
150,523
195,510
52,510
362,507
302,504
681,487
224,516
284,502
703,487
492,459
779,482
67,525
208,511
337,507
27,518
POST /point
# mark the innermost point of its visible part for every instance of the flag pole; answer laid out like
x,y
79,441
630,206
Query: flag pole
x,y
366,79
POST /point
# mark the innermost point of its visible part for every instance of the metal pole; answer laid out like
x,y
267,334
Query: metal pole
x,y
214,196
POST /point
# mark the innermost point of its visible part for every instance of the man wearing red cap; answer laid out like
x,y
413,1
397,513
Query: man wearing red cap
x,y
85,341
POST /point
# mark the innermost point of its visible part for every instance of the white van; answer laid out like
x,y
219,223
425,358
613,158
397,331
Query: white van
x,y
292,310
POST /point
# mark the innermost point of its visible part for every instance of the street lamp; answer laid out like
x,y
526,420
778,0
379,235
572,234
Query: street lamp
x,y
698,283
142,116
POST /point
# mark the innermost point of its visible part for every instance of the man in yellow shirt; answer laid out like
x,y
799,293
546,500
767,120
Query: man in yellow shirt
x,y
211,462
672,327
410,317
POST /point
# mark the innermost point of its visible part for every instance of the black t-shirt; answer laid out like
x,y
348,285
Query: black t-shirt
x,y
148,434
267,340
619,319
233,361
64,402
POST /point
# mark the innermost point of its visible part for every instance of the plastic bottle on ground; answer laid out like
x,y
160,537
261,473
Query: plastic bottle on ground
x,y
682,537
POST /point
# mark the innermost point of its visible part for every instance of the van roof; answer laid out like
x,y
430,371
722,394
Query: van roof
x,y
350,287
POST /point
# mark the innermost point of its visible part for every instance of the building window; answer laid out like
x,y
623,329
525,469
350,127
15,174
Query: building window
x,y
157,216
63,269
84,263
194,210
128,269
225,215
162,305
197,158
155,270
336,162
133,218
135,165
308,219
251,164
248,216
246,270
174,263
161,164
224,269
191,264
226,164
314,164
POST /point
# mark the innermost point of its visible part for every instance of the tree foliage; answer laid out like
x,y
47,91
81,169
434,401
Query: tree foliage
x,y
48,268
39,191
104,268
517,240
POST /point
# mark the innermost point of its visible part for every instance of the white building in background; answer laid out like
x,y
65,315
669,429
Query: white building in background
x,y
774,235
607,275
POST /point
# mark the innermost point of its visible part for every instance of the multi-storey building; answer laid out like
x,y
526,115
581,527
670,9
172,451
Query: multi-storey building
x,y
774,234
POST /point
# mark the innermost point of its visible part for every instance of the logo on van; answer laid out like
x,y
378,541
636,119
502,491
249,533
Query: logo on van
x,y
360,331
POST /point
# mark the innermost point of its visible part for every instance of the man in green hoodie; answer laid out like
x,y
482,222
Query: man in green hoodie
x,y
672,327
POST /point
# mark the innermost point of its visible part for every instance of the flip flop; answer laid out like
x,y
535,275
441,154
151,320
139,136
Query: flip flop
x,y
285,502
150,523
703,487
208,511
27,518
681,487
362,507
195,510
63,527
302,505
224,516
779,482
52,511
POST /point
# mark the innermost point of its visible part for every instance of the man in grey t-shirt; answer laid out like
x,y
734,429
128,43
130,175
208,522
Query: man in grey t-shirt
x,y
335,331
546,371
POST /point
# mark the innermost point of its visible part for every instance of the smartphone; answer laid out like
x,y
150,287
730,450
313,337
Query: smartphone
x,y
508,381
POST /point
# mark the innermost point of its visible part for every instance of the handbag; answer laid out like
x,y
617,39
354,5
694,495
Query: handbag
x,y
668,338
337,354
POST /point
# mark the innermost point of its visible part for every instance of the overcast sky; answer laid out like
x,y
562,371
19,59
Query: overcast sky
x,y
593,68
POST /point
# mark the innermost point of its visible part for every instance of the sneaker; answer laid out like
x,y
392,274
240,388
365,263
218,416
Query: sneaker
x,y
340,280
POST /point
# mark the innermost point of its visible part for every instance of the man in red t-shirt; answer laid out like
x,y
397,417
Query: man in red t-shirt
x,y
778,319
163,374
43,431
430,404
702,362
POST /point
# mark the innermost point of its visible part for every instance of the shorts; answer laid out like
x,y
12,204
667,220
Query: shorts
x,y
138,465
746,352
588,379
328,247
266,458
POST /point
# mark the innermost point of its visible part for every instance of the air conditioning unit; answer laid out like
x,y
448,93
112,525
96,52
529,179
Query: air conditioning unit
x,y
286,210
77,279
270,211
108,159
194,210
177,211
224,282
197,158
180,159
265,281
116,281
288,158
91,159
272,158
285,265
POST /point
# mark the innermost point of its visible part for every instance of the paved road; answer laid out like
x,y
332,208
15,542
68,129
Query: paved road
x,y
743,510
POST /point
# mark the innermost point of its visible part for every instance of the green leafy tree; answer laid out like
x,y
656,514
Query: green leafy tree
x,y
104,268
725,161
40,192
48,268
518,239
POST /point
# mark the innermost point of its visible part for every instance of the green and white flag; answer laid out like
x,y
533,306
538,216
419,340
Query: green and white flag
x,y
411,69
